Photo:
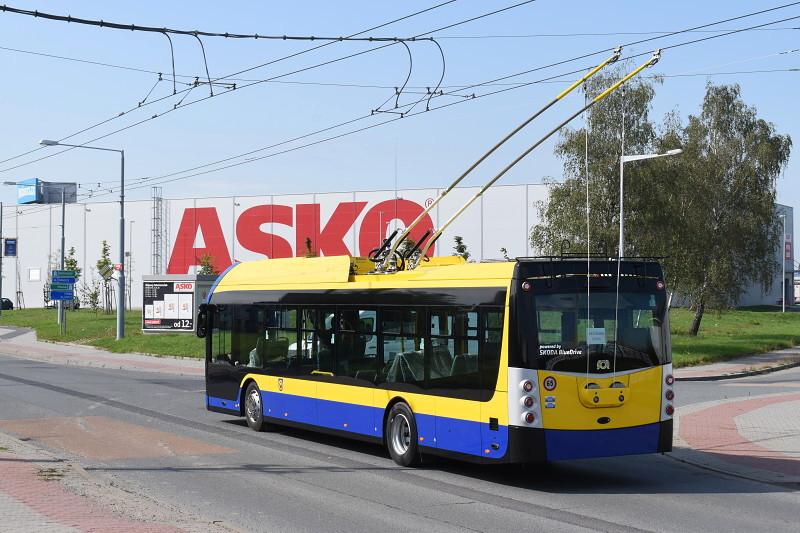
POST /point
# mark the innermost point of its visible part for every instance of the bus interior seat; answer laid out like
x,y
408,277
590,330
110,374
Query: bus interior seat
x,y
275,350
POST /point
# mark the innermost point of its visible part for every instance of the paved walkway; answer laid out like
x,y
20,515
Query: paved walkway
x,y
757,437
43,493
740,366
23,343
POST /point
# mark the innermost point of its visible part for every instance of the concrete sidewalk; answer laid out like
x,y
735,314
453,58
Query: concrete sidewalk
x,y
21,342
747,365
753,437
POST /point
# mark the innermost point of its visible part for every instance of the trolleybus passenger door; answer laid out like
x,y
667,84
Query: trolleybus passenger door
x,y
221,386
454,378
345,389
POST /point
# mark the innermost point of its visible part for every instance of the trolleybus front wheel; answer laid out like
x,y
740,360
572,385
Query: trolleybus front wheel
x,y
254,408
401,435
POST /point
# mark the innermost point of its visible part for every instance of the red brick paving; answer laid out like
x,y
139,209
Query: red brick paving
x,y
21,480
713,430
100,437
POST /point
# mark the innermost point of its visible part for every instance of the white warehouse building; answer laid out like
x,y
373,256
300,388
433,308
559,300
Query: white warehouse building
x,y
170,236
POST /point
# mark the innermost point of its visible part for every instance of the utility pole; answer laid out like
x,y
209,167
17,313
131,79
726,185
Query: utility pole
x,y
63,217
783,263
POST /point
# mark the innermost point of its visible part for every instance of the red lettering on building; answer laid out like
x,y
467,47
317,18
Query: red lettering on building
x,y
185,255
327,241
250,235
377,220
330,239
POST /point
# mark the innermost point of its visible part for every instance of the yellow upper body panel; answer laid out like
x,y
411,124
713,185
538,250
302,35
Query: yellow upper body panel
x,y
336,272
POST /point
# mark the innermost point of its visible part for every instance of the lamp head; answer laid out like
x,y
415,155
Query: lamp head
x,y
676,151
48,142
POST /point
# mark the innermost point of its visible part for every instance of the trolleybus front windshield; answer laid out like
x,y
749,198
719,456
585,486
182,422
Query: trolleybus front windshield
x,y
568,324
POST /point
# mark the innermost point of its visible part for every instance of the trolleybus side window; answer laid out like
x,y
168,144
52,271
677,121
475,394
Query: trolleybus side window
x,y
453,361
356,344
248,335
403,346
280,337
316,345
221,335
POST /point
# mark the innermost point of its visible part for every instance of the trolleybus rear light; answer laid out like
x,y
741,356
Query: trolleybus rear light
x,y
529,418
527,385
669,380
526,286
669,394
669,409
527,401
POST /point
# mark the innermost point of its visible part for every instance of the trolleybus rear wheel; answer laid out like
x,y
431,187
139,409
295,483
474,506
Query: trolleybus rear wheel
x,y
401,435
254,408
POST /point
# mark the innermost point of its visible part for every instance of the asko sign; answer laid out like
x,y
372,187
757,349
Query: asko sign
x,y
327,236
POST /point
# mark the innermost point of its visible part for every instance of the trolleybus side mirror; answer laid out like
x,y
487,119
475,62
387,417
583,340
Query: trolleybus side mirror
x,y
202,321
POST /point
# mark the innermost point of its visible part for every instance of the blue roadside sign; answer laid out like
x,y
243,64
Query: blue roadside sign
x,y
55,279
62,295
10,248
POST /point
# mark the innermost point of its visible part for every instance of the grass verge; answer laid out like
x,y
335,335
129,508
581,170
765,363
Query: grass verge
x,y
731,334
722,336
86,327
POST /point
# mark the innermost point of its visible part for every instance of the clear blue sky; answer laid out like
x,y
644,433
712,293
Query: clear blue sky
x,y
51,98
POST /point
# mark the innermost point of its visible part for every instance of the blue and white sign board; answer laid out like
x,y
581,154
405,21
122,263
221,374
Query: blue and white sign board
x,y
29,191
62,295
10,248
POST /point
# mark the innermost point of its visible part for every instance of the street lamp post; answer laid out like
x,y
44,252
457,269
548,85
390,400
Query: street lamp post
x,y
121,276
627,159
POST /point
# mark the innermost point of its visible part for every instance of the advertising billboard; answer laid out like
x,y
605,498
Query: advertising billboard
x,y
168,305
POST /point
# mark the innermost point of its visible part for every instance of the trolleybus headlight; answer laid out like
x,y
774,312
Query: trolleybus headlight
x,y
528,418
669,380
669,394
669,409
527,385
527,401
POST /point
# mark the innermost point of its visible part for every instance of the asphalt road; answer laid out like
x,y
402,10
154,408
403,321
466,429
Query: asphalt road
x,y
292,480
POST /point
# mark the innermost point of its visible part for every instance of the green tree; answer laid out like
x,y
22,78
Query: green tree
x,y
71,263
563,215
106,268
207,266
90,294
710,211
104,262
460,249
729,229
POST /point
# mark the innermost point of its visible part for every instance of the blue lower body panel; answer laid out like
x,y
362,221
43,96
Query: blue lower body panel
x,y
447,434
578,444
222,403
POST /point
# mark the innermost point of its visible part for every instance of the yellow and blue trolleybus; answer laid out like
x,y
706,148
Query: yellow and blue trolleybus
x,y
537,359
